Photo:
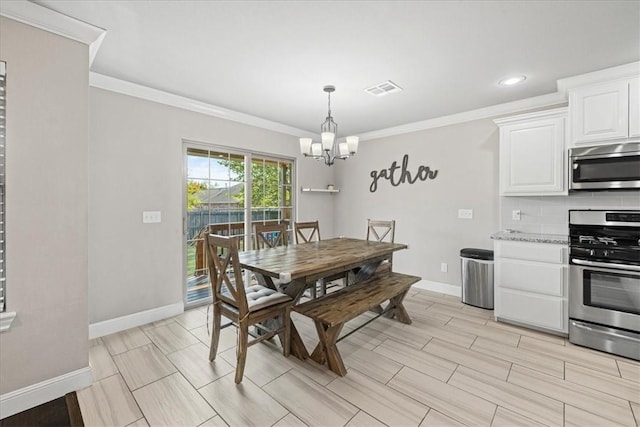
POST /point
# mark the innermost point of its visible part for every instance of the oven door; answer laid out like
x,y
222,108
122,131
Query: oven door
x,y
608,294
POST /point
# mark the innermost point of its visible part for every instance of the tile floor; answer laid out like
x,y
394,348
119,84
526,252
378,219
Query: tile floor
x,y
453,366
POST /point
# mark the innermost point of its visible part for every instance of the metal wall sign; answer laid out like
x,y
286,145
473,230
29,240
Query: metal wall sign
x,y
399,174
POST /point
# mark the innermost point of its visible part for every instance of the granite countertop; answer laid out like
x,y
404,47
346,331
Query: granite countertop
x,y
517,236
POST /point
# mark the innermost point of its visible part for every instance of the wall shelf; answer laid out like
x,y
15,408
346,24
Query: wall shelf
x,y
318,190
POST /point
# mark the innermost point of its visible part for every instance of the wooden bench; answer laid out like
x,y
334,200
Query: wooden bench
x,y
332,311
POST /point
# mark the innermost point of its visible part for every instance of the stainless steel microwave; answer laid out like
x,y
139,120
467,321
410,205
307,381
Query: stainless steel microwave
x,y
605,167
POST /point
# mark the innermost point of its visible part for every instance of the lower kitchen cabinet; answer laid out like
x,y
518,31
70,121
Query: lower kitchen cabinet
x,y
531,284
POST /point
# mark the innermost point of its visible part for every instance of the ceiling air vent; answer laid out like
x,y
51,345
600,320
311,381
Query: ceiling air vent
x,y
384,88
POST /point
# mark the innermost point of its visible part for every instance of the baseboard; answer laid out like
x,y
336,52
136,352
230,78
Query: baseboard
x,y
118,324
36,394
443,288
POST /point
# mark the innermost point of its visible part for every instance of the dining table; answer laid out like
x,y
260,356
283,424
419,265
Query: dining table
x,y
292,269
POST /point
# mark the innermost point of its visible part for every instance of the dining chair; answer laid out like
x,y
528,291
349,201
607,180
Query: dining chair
x,y
382,231
270,235
224,229
307,232
256,305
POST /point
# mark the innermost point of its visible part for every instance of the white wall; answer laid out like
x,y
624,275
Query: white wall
x,y
135,164
466,157
47,199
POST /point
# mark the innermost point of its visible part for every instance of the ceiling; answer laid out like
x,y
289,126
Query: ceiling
x,y
271,59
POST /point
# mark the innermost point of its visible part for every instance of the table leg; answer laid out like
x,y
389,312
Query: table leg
x,y
367,271
296,344
265,281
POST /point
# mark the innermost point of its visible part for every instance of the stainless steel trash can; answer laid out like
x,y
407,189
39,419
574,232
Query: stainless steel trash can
x,y
477,277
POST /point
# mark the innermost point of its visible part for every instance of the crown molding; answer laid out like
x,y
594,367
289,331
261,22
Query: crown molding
x,y
49,20
102,81
552,99
555,99
544,114
614,73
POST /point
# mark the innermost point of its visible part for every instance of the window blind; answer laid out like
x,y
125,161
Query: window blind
x,y
3,134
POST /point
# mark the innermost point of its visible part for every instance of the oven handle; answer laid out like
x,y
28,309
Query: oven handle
x,y
609,332
605,264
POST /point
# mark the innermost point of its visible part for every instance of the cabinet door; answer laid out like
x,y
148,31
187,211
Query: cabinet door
x,y
541,278
634,107
536,310
599,112
532,158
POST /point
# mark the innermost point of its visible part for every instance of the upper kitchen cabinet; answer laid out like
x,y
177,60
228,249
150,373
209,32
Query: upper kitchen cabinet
x,y
604,112
532,154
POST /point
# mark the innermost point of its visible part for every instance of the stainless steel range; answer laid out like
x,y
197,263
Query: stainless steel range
x,y
604,280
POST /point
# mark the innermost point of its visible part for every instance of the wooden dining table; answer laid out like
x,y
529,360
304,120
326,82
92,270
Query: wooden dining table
x,y
297,267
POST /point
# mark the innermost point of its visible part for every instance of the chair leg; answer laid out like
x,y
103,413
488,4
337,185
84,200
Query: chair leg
x,y
215,332
286,321
241,351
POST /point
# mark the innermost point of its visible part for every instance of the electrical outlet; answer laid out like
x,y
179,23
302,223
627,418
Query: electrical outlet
x,y
465,213
151,217
444,267
516,215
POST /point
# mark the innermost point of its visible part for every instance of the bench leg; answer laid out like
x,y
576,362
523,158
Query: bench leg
x,y
377,309
398,311
327,349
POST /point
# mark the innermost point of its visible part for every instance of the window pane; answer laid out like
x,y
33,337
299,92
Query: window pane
x,y
198,164
286,172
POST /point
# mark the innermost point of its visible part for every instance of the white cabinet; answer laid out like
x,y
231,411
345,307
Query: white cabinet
x,y
532,154
531,284
604,112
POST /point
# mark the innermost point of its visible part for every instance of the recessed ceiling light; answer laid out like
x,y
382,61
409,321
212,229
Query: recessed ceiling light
x,y
510,81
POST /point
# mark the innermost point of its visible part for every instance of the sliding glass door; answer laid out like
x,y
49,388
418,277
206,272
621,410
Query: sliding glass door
x,y
225,191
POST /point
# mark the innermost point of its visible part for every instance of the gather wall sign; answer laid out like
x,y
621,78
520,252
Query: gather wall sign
x,y
397,175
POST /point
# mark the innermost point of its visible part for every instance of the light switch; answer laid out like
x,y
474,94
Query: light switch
x,y
151,217
465,213
515,215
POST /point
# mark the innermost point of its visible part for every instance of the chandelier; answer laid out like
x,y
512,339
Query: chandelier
x,y
328,149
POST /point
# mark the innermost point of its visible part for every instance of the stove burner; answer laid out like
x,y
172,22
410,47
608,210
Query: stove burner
x,y
607,241
599,236
588,239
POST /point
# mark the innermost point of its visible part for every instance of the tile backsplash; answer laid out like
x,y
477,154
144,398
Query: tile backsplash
x,y
549,214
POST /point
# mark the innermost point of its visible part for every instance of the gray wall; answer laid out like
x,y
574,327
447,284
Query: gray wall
x,y
426,212
135,164
47,199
